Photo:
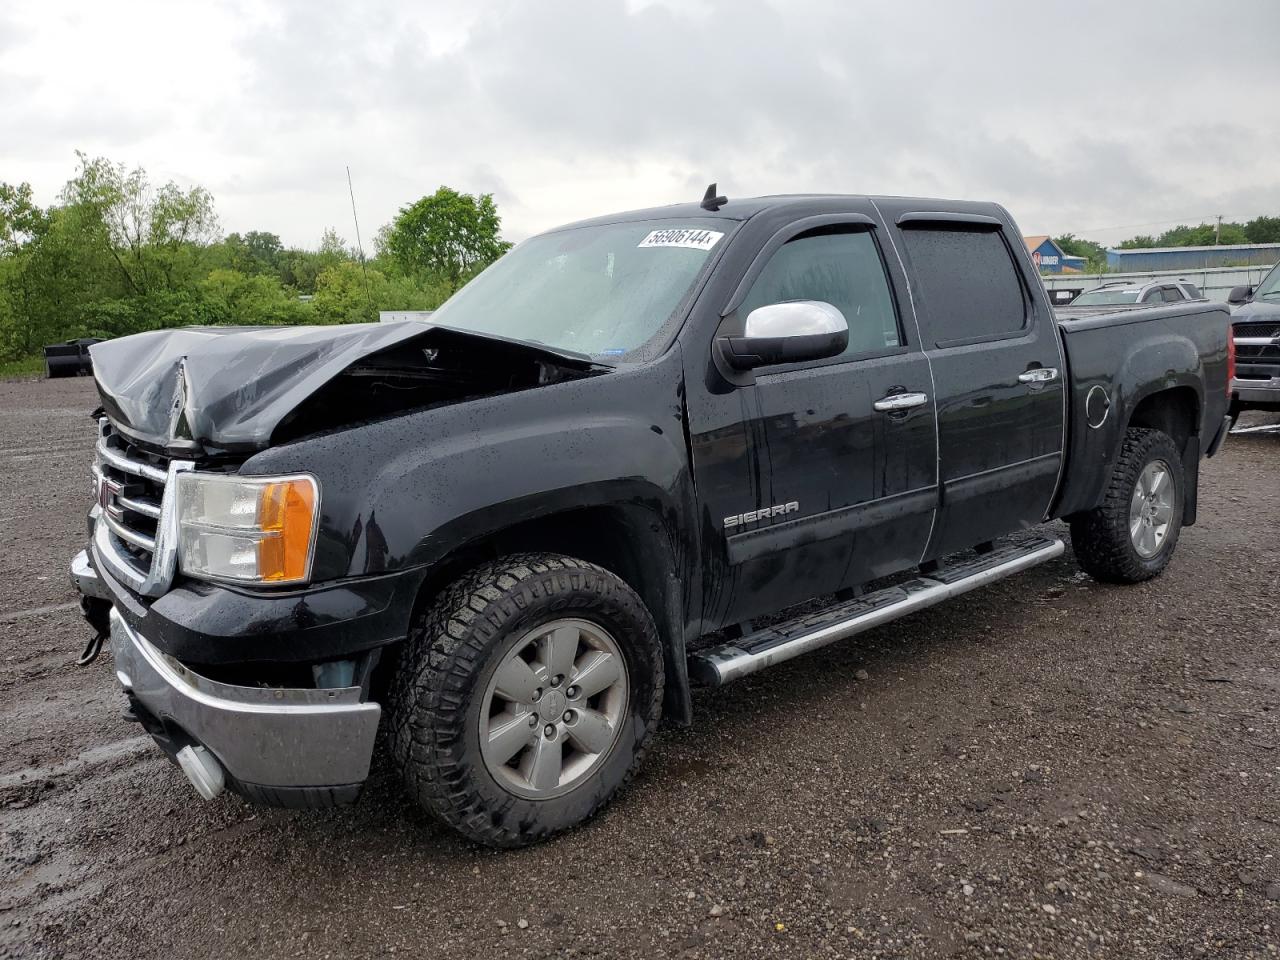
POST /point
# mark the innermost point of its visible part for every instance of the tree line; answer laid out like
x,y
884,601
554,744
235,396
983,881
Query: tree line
x,y
1258,230
116,254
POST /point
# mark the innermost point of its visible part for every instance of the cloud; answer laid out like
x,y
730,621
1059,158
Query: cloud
x,y
1107,114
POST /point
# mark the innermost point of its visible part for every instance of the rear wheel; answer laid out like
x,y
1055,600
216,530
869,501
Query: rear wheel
x,y
1131,535
526,697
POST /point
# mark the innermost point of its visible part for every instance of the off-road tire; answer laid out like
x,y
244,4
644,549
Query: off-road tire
x,y
450,654
1100,537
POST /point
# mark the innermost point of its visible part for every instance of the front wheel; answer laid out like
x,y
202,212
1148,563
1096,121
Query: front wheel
x,y
1131,535
526,696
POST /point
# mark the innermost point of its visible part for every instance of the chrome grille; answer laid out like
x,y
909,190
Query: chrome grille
x,y
135,512
1258,341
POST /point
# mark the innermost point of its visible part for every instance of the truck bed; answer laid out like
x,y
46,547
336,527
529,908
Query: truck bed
x,y
1173,346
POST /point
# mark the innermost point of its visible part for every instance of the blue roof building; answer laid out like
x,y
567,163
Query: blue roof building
x,y
1049,257
1191,258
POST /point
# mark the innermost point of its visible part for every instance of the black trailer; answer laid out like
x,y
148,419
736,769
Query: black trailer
x,y
69,359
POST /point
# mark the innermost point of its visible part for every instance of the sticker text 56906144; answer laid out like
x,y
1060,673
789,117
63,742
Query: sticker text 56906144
x,y
691,239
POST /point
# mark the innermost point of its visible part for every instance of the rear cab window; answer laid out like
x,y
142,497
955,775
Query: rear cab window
x,y
971,287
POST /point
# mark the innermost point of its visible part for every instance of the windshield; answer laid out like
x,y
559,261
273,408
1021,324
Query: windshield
x,y
600,290
1270,286
1092,298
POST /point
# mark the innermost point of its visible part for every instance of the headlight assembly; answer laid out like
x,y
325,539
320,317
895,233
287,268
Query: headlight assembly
x,y
247,529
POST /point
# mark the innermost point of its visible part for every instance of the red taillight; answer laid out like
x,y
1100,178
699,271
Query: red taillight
x,y
1231,358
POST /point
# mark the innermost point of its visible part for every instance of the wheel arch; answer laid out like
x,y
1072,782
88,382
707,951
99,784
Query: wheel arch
x,y
1175,411
1172,410
631,541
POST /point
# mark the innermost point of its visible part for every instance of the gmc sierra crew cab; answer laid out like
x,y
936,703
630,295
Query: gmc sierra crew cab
x,y
515,536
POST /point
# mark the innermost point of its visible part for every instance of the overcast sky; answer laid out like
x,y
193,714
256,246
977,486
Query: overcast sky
x,y
1102,118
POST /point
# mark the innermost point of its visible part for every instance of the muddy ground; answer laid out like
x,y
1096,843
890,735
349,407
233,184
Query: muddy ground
x,y
1045,768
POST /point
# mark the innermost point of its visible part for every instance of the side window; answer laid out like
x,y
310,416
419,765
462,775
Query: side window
x,y
1152,296
968,281
1172,295
839,268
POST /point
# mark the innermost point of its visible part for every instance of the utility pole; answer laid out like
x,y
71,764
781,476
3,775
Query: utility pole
x,y
1217,230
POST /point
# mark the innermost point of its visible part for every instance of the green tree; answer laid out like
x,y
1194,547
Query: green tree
x,y
257,252
230,296
1263,230
348,293
447,234
23,287
1095,254
21,220
116,255
151,234
301,268
1138,242
1203,235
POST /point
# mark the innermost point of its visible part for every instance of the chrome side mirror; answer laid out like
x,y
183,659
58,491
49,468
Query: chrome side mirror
x,y
789,332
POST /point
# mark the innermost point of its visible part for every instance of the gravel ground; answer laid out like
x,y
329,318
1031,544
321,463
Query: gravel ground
x,y
1048,767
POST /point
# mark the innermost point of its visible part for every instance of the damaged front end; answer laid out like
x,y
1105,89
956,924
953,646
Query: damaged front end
x,y
435,369
198,626
281,746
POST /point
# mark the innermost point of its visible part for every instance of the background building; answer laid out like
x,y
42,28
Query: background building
x,y
1191,258
1051,258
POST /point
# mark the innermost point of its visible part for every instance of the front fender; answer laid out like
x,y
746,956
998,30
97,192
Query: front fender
x,y
406,491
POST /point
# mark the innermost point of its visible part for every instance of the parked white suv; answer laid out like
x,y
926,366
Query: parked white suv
x,y
1121,292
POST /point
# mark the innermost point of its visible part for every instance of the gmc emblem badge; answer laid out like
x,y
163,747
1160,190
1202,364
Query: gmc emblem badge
x,y
108,490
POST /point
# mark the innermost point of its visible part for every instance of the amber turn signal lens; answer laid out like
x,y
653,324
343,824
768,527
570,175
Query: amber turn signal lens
x,y
286,512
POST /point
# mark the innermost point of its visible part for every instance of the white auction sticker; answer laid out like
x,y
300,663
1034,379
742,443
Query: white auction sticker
x,y
692,239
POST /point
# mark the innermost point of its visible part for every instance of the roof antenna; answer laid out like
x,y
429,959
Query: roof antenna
x,y
359,245
712,202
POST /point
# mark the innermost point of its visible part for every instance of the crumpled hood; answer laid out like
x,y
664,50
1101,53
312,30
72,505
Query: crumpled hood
x,y
227,388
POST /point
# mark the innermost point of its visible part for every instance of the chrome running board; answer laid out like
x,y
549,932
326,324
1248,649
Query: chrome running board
x,y
717,666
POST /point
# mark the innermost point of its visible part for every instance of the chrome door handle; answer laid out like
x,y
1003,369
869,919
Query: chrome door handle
x,y
900,401
1039,375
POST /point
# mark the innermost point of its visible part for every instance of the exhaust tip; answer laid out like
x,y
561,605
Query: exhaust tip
x,y
203,770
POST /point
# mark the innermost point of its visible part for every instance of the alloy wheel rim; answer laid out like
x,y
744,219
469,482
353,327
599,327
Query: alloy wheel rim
x,y
1151,509
553,709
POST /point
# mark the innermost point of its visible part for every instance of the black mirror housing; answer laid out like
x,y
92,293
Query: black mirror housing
x,y
1239,294
747,353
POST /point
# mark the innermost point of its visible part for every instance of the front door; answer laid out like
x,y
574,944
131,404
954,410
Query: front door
x,y
842,484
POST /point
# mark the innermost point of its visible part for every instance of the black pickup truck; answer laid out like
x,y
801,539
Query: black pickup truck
x,y
604,471
1255,317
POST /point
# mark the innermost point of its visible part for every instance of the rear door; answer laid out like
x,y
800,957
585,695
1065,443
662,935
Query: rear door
x,y
997,367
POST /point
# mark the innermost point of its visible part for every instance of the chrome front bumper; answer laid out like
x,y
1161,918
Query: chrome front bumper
x,y
289,738
86,580
1257,391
